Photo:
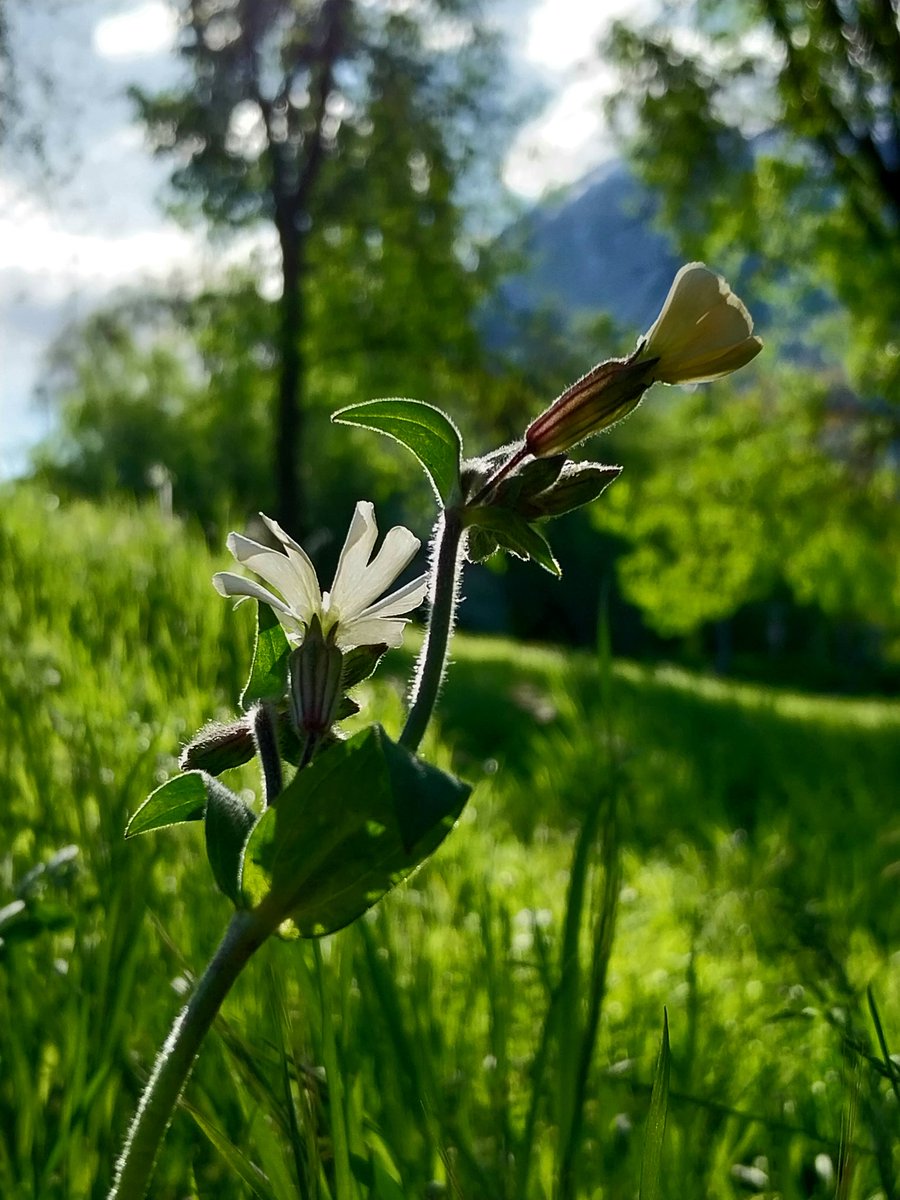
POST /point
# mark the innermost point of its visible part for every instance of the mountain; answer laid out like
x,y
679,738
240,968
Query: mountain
x,y
593,249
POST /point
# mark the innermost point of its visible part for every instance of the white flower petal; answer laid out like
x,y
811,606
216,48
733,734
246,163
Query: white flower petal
x,y
228,584
354,559
703,331
370,631
404,600
395,555
292,575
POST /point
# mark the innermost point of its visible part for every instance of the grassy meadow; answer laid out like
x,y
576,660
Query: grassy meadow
x,y
637,841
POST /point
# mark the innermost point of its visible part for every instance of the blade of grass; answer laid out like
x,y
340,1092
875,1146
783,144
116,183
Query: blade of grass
x,y
655,1131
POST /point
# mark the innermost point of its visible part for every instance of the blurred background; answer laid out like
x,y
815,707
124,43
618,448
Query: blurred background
x,y
221,221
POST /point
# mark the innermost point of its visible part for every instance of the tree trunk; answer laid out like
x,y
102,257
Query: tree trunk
x,y
288,424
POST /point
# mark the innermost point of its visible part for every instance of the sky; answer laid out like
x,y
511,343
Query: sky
x,y
67,242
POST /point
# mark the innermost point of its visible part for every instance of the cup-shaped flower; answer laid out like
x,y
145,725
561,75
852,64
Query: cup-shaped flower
x,y
703,332
355,612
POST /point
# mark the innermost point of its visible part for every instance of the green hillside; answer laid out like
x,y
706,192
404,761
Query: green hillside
x,y
637,840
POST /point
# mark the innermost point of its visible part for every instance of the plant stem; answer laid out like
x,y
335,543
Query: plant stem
x,y
244,935
500,474
433,659
265,735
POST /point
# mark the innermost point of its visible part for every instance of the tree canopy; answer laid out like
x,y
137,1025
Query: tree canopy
x,y
772,130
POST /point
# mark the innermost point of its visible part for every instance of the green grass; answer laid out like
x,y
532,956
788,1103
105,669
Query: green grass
x,y
637,840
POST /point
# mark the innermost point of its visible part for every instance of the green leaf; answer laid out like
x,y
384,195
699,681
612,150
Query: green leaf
x,y
237,1162
480,545
654,1134
423,429
359,663
228,824
578,484
346,830
531,477
515,534
268,672
182,798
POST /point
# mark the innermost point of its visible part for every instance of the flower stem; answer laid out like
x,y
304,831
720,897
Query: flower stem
x,y
265,735
433,659
245,934
500,474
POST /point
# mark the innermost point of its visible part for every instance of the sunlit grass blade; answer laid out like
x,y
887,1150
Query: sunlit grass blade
x,y
237,1161
847,1156
345,1183
890,1065
655,1129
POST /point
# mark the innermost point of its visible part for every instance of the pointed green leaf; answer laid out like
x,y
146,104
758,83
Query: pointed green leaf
x,y
480,545
182,798
515,534
423,429
268,672
655,1132
228,825
578,484
359,664
346,830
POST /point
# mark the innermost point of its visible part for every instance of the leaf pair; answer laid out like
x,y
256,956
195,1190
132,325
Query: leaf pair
x,y
346,830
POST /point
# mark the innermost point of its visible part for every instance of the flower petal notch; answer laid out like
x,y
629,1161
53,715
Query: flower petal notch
x,y
703,331
355,612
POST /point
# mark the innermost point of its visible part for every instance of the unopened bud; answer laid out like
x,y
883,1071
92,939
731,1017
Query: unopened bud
x,y
703,332
219,747
609,392
315,671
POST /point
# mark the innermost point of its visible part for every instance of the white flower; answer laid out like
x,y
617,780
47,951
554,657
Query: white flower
x,y
351,612
703,331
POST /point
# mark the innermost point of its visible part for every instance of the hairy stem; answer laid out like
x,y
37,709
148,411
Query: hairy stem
x,y
433,659
265,735
245,934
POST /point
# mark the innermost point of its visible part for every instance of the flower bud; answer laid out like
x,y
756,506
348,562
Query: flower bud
x,y
609,392
217,747
702,332
315,669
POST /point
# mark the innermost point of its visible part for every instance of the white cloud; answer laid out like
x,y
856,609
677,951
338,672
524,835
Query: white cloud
x,y
571,135
139,32
564,32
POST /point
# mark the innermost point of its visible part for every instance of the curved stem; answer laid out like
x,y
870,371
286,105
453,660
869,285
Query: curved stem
x,y
245,934
433,659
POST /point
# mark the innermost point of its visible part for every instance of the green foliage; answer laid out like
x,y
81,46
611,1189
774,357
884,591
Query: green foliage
x,y
346,830
426,431
772,140
753,497
182,798
654,1136
757,846
269,666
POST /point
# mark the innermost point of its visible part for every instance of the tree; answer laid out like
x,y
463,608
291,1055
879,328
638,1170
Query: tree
x,y
776,146
763,499
346,126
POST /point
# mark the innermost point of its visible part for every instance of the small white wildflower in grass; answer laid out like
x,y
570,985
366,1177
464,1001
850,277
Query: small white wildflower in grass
x,y
351,614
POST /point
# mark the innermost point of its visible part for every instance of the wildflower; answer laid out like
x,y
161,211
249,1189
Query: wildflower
x,y
351,614
702,333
